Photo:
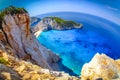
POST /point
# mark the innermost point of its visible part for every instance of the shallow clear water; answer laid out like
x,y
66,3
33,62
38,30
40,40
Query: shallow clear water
x,y
78,46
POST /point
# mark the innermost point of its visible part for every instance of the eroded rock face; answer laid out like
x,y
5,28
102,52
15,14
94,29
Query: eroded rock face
x,y
2,36
16,69
101,67
7,73
18,35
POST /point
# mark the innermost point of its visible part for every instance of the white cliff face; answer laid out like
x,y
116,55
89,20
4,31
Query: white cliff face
x,y
101,67
43,25
18,35
51,24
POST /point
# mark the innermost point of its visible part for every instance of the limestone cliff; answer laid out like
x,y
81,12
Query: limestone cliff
x,y
15,31
53,23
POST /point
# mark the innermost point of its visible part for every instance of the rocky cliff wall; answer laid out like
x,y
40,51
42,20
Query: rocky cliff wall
x,y
16,32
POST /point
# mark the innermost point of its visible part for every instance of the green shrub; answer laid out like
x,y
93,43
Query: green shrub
x,y
3,61
10,10
13,10
58,20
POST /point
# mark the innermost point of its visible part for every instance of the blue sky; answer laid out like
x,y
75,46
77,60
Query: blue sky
x,y
108,9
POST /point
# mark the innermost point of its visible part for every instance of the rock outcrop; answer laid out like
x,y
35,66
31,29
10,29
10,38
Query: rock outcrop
x,y
53,23
101,67
15,30
12,68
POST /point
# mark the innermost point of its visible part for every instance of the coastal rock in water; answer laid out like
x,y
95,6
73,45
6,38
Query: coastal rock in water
x,y
53,23
101,67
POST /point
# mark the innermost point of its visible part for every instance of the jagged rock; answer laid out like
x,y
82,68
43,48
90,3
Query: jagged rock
x,y
8,74
54,58
22,70
2,36
101,67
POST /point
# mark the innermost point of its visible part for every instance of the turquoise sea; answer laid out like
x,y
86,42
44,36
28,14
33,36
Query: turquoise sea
x,y
77,47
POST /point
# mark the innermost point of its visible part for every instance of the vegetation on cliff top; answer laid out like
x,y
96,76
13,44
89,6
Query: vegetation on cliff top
x,y
10,10
3,61
62,22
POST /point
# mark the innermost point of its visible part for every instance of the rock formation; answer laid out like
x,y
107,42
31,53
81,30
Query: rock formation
x,y
101,67
12,68
15,30
53,23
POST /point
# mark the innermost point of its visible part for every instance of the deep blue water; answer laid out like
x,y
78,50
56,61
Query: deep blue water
x,y
78,46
